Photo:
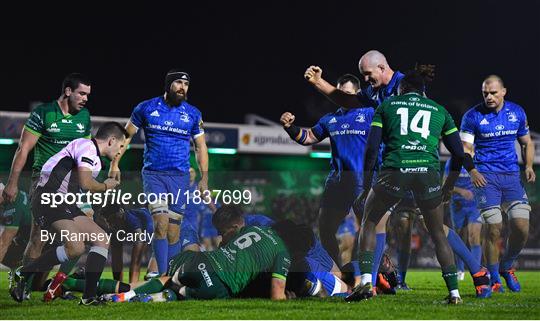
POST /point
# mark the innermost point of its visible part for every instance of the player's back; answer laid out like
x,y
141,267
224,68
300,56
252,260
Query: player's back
x,y
252,251
412,125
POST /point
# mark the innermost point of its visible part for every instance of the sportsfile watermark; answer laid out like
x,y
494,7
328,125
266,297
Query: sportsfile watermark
x,y
117,197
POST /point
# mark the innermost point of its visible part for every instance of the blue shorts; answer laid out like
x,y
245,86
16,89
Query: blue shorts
x,y
140,219
501,188
189,234
318,259
346,227
464,212
176,184
340,194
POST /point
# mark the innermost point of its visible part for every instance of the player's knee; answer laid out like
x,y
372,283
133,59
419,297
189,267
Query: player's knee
x,y
161,225
519,210
474,237
494,232
492,215
74,249
173,233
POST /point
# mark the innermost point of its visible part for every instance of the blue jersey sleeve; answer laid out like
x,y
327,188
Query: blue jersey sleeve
x,y
523,124
468,124
137,116
319,130
447,168
197,129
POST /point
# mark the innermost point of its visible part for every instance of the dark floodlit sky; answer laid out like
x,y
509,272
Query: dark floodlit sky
x,y
250,58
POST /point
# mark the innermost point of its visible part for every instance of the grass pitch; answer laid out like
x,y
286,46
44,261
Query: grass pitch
x,y
425,301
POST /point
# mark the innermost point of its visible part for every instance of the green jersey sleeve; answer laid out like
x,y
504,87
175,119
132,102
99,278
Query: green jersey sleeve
x,y
449,126
281,266
378,117
35,122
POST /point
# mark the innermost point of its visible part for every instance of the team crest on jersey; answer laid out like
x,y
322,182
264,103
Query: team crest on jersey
x,y
80,128
333,120
184,117
361,118
512,117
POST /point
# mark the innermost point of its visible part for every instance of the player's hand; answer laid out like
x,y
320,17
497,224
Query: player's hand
x,y
111,183
530,175
467,194
114,172
477,178
10,193
313,74
287,119
426,70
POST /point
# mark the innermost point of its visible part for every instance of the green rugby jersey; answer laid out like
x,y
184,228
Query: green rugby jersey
x,y
252,251
55,130
412,126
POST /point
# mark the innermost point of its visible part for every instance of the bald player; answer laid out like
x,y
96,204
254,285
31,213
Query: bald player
x,y
488,132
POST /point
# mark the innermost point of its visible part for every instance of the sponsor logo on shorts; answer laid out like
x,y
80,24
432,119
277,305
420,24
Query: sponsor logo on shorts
x,y
414,170
204,273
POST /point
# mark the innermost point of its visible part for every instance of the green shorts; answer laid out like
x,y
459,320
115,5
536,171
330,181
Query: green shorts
x,y
423,182
193,270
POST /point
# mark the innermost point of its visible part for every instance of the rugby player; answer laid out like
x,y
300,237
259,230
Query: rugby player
x,y
410,126
69,172
489,131
169,123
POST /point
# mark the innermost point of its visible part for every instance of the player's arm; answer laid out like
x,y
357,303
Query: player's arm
x,y
5,240
201,155
87,182
527,152
114,171
277,289
314,76
303,136
27,142
452,142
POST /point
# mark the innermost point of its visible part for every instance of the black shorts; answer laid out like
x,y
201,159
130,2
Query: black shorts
x,y
44,215
423,182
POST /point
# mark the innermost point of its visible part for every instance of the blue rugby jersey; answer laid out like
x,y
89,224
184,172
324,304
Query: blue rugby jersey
x,y
167,131
493,135
374,97
348,130
257,220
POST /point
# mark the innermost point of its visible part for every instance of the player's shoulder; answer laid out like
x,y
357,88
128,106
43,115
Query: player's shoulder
x,y
45,108
473,112
149,103
82,144
512,106
192,109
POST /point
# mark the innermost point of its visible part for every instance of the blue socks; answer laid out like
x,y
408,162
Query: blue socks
x,y
174,249
494,271
379,250
463,252
459,264
161,251
509,257
476,251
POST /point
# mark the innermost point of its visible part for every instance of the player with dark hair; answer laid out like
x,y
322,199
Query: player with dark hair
x,y
489,131
225,272
410,126
49,128
71,171
169,123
